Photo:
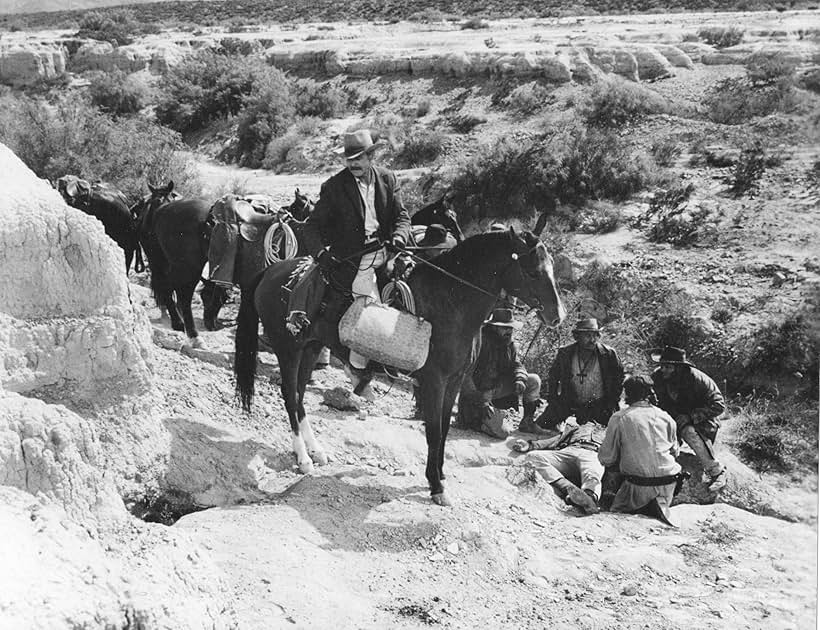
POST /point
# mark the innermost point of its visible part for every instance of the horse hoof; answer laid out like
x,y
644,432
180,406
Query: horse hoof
x,y
319,458
441,499
306,468
196,342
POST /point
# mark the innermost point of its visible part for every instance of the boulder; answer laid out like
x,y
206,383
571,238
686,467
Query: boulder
x,y
165,56
27,64
675,56
66,320
651,63
696,50
556,68
583,71
614,60
455,64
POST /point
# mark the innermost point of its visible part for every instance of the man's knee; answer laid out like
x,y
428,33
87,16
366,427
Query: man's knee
x,y
532,387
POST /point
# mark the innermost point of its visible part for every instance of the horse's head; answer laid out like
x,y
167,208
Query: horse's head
x,y
75,191
157,196
301,207
531,277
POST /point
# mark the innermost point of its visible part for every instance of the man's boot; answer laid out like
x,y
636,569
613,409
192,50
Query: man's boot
x,y
584,500
527,424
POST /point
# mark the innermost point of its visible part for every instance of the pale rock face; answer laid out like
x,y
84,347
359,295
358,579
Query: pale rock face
x,y
50,451
675,56
614,60
651,63
696,50
66,318
29,63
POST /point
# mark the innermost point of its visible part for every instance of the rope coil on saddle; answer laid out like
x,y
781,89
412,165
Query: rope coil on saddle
x,y
398,291
280,237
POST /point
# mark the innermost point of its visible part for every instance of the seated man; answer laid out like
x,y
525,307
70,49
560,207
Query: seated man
x,y
498,378
695,402
640,447
573,454
585,379
227,214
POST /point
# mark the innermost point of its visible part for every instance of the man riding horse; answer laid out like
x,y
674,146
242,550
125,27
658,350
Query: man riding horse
x,y
359,206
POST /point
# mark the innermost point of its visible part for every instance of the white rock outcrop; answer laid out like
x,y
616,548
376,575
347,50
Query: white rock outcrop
x,y
66,318
23,64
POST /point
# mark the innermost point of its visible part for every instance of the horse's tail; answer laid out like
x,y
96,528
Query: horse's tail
x,y
246,345
139,263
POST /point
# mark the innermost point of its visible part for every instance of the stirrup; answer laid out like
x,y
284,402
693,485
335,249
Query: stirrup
x,y
296,322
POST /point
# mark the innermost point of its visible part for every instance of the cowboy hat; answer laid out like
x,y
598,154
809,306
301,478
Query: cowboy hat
x,y
503,317
434,235
498,227
671,355
586,325
356,143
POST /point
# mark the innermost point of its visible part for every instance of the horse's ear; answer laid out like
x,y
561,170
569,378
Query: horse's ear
x,y
170,187
152,189
540,224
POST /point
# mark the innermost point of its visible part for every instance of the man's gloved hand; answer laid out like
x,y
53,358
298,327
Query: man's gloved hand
x,y
519,388
522,446
327,261
402,265
398,242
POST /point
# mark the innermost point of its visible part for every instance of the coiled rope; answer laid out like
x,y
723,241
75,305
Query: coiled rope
x,y
280,238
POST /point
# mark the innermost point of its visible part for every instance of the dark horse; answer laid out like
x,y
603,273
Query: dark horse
x,y
455,296
174,235
439,212
110,207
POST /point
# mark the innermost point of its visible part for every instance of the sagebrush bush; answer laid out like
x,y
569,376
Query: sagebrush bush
x,y
321,100
672,218
117,93
615,102
207,86
528,98
517,177
665,151
765,69
721,36
238,46
117,25
785,346
748,170
598,219
422,147
465,123
475,23
735,101
282,152
778,435
71,137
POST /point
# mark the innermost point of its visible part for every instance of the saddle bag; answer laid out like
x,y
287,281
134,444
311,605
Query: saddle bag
x,y
382,333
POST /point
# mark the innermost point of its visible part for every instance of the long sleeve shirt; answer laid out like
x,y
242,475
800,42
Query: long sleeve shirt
x,y
642,440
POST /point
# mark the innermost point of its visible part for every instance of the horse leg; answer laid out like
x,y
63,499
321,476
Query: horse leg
x,y
185,295
314,449
289,363
173,311
432,400
450,394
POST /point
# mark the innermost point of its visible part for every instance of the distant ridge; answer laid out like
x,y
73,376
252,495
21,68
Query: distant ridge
x,y
50,13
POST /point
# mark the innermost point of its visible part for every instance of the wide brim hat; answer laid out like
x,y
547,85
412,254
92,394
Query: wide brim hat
x,y
503,317
670,355
586,325
498,227
358,142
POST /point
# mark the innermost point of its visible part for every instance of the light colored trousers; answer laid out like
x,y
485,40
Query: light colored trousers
x,y
365,284
571,462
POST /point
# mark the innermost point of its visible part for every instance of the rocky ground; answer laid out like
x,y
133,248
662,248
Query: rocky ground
x,y
358,544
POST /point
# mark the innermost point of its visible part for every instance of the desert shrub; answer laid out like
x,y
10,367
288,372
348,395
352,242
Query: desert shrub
x,y
779,436
763,69
672,218
75,138
474,23
810,79
615,102
528,98
519,176
283,152
465,123
322,100
420,148
749,170
428,15
207,86
117,93
735,101
786,346
118,26
598,219
721,36
268,112
709,346
665,151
